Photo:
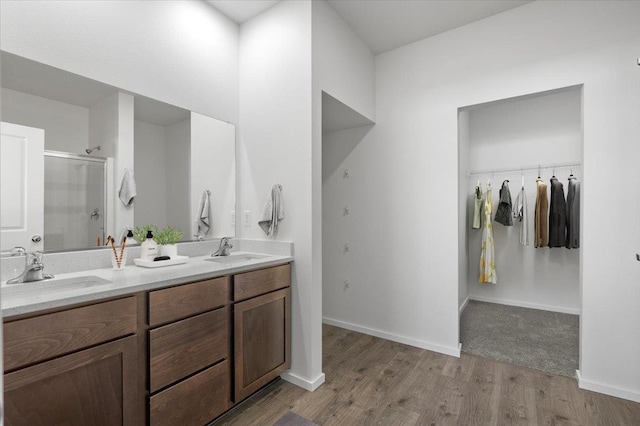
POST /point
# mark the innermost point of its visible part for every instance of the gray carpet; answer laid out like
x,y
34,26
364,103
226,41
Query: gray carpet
x,y
546,341
292,419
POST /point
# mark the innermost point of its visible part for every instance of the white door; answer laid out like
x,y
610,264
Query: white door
x,y
21,187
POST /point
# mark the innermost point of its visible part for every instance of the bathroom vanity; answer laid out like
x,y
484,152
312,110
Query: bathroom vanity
x,y
145,350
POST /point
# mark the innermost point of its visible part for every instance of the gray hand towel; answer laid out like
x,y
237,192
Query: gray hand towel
x,y
202,218
272,212
127,190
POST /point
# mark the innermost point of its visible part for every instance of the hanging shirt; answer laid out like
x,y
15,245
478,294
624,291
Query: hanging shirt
x,y
557,215
503,214
487,254
520,213
541,218
573,213
477,209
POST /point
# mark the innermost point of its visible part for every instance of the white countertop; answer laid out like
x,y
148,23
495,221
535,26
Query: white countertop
x,y
36,296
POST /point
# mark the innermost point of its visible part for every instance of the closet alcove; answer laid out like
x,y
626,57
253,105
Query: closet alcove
x,y
519,139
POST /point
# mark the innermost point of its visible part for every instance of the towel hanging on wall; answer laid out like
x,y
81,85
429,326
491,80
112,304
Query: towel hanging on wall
x,y
202,218
272,212
127,190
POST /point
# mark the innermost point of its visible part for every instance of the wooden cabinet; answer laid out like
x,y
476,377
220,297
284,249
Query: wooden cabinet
x,y
61,371
189,375
181,355
262,331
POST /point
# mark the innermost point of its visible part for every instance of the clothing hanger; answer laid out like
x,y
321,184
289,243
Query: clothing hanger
x,y
522,178
539,172
571,172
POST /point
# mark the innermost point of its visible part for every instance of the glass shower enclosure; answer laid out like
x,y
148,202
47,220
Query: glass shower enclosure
x,y
74,201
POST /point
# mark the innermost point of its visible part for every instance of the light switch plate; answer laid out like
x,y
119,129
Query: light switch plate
x,y
247,218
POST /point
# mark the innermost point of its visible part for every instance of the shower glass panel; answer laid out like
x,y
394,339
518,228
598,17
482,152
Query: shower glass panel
x,y
74,201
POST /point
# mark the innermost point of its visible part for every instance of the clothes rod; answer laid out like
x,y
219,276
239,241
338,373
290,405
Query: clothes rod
x,y
575,164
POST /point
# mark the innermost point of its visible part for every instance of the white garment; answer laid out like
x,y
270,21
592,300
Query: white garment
x,y
202,218
127,190
520,213
272,212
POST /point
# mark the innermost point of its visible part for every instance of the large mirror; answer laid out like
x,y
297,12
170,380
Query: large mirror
x,y
75,150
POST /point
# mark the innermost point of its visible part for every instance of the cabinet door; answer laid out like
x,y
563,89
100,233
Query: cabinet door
x,y
262,332
95,386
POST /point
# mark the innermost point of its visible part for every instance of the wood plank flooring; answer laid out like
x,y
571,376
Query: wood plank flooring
x,y
371,381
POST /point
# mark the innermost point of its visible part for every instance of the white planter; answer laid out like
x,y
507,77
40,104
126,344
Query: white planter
x,y
170,250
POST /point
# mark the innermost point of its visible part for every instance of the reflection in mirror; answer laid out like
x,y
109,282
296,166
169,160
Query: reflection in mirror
x,y
176,156
75,194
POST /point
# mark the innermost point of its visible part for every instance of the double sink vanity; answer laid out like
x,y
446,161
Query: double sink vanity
x,y
178,345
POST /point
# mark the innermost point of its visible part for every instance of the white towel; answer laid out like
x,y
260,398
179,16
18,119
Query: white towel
x,y
127,190
272,212
202,218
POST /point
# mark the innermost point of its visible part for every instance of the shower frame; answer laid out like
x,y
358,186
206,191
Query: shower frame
x,y
105,167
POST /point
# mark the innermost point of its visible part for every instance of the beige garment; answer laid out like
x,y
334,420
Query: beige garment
x,y
541,221
477,208
487,255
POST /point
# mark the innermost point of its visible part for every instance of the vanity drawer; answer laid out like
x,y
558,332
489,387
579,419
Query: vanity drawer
x,y
180,302
255,283
195,401
184,347
35,339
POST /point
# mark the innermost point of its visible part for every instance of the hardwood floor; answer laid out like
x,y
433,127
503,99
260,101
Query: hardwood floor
x,y
371,381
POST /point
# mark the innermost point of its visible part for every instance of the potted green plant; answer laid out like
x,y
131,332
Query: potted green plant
x,y
167,238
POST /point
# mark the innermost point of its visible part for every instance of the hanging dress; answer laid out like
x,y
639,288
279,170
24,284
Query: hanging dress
x,y
573,213
487,255
541,218
557,215
477,209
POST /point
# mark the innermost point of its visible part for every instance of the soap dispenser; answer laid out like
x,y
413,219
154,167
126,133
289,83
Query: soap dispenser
x,y
149,248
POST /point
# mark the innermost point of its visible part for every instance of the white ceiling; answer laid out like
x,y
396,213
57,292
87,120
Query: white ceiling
x,y
387,24
242,10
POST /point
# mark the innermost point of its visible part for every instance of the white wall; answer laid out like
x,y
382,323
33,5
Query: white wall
x,y
66,126
275,147
463,206
178,175
213,169
343,65
411,242
111,126
151,175
187,54
542,130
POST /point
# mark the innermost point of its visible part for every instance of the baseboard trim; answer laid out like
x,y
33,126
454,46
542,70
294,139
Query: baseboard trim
x,y
509,302
303,383
464,305
607,389
394,337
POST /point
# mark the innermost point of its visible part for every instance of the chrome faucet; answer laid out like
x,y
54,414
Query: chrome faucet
x,y
33,268
224,248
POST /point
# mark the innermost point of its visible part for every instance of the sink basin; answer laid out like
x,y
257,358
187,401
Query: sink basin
x,y
56,284
235,258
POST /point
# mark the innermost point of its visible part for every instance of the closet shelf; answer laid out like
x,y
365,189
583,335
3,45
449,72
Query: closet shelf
x,y
574,164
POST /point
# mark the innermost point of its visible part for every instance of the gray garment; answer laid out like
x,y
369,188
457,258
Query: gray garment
x,y
503,213
520,212
557,215
573,213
